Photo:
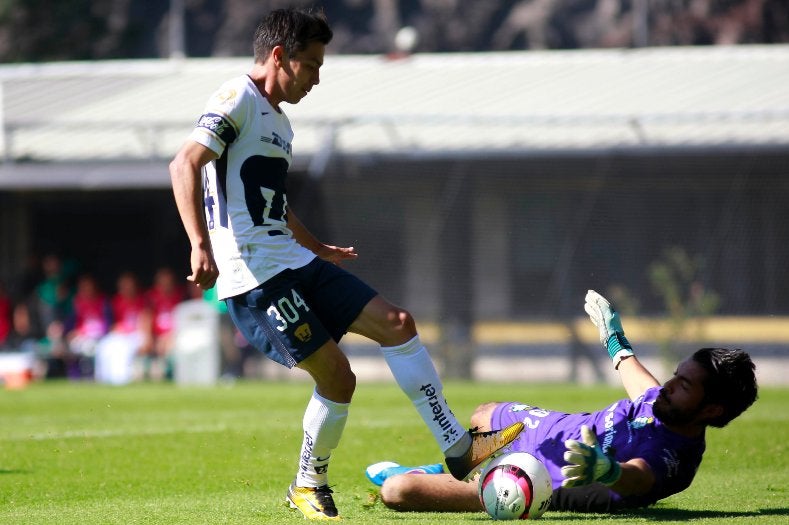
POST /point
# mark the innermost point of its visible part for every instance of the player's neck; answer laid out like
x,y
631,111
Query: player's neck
x,y
690,430
259,77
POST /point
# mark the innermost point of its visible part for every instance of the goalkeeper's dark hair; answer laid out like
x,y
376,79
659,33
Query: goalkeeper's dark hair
x,y
730,381
293,29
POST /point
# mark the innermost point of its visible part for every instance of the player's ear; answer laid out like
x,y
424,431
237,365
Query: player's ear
x,y
712,411
279,56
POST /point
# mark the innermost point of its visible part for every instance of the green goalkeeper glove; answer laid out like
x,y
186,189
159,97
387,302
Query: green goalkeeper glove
x,y
588,463
606,319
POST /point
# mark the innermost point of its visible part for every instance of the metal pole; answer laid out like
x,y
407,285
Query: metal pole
x,y
640,23
177,29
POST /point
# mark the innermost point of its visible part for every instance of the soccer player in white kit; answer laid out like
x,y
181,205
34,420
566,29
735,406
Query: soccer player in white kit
x,y
283,287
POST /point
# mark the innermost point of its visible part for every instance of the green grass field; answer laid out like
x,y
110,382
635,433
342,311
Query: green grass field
x,y
162,454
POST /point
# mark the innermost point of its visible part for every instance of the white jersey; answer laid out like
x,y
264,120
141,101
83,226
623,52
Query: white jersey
x,y
244,189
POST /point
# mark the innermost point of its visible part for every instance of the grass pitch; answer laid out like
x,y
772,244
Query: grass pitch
x,y
162,454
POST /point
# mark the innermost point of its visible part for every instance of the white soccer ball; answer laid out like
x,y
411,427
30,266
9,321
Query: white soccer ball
x,y
515,486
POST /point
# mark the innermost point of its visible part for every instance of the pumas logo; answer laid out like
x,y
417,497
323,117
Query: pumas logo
x,y
303,333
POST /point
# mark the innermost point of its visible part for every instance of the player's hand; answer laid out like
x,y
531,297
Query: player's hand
x,y
606,319
204,270
587,462
336,254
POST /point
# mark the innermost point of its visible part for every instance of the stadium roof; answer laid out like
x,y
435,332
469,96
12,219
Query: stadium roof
x,y
112,123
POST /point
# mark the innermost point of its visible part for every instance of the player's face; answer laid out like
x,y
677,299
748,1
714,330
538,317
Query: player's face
x,y
303,72
680,399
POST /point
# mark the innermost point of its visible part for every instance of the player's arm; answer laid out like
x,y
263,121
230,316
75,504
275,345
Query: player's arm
x,y
637,478
304,236
185,174
635,377
430,493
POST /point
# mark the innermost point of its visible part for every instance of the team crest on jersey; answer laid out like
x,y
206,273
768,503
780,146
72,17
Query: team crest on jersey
x,y
641,422
303,332
225,96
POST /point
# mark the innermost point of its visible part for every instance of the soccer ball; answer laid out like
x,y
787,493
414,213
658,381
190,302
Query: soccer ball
x,y
515,486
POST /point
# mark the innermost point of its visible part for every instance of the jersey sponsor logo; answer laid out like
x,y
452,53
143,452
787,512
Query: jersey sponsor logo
x,y
437,406
520,408
306,452
219,125
610,431
276,140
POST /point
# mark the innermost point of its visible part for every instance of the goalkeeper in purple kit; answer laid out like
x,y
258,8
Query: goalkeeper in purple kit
x,y
630,454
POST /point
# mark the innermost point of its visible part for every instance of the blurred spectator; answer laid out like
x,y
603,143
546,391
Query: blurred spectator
x,y
162,298
58,361
89,322
52,359
21,336
54,291
130,313
129,335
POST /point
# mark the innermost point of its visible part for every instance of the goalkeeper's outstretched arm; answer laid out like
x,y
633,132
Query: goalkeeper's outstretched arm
x,y
635,377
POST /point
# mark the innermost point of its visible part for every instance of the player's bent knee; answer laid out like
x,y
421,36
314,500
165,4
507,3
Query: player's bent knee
x,y
345,386
481,416
337,385
401,320
394,492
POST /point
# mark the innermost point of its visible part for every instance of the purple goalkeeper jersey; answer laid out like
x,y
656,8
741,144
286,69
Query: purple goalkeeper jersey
x,y
627,428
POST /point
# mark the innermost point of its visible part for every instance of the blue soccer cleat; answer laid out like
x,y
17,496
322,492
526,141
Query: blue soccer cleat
x,y
379,472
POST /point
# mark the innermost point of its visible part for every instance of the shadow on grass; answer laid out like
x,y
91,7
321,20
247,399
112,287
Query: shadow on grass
x,y
13,471
663,514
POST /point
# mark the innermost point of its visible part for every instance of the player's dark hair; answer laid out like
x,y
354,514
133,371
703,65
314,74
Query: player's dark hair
x,y
292,29
730,381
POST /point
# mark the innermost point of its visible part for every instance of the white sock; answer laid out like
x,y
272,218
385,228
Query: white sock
x,y
414,371
323,424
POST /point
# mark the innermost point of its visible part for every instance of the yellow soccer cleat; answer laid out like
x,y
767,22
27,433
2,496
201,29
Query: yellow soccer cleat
x,y
316,503
484,445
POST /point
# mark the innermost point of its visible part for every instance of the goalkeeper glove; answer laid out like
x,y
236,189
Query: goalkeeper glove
x,y
588,463
606,319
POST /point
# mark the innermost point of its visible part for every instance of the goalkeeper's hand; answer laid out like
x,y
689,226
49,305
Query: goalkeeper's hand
x,y
588,463
606,319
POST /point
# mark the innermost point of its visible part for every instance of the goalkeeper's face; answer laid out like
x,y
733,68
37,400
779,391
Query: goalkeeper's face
x,y
681,400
